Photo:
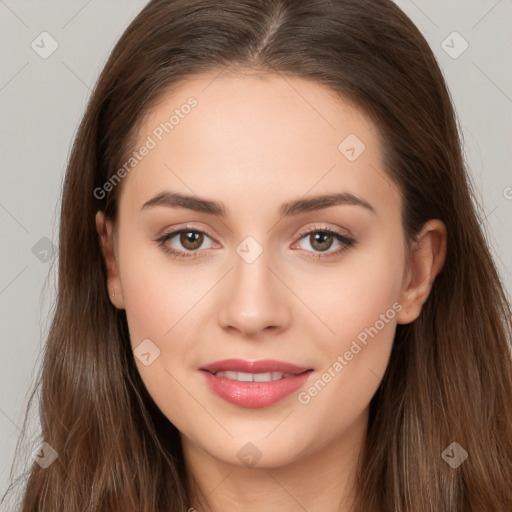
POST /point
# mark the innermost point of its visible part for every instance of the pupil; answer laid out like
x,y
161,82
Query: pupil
x,y
191,240
320,239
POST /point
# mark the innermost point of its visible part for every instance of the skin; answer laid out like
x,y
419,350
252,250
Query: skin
x,y
254,143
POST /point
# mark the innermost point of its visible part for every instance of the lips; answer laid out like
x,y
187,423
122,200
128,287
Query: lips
x,y
254,384
262,366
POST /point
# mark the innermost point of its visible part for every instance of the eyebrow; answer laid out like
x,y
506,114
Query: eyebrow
x,y
288,209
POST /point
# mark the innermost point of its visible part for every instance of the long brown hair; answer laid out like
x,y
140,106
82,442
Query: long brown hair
x,y
449,378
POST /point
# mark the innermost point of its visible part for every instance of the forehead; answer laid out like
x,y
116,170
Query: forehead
x,y
256,139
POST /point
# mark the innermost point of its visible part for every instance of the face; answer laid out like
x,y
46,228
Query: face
x,y
260,227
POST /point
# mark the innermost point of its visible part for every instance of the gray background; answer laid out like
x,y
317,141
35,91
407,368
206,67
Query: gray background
x,y
42,100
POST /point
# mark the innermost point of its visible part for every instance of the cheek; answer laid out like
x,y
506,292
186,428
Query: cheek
x,y
364,286
157,294
158,302
362,314
163,303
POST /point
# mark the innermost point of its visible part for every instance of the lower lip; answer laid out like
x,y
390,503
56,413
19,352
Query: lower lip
x,y
255,394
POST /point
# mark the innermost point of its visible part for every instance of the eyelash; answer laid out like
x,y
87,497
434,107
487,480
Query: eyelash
x,y
344,239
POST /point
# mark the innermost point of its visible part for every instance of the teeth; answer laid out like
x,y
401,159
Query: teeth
x,y
254,377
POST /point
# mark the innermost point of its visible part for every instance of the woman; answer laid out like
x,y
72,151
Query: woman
x,y
274,292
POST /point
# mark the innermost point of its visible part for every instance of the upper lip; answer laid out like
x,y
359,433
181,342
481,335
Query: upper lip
x,y
261,366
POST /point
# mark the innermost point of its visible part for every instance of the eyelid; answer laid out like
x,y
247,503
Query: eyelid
x,y
315,228
176,230
305,231
346,239
184,227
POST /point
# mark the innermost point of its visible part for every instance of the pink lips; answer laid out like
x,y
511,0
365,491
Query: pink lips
x,y
254,394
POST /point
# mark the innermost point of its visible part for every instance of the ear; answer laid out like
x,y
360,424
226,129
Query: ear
x,y
426,259
105,229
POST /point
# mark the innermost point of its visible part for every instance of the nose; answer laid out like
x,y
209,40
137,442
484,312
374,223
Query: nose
x,y
254,299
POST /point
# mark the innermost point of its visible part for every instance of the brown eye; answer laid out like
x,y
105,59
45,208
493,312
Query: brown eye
x,y
191,240
321,240
185,243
